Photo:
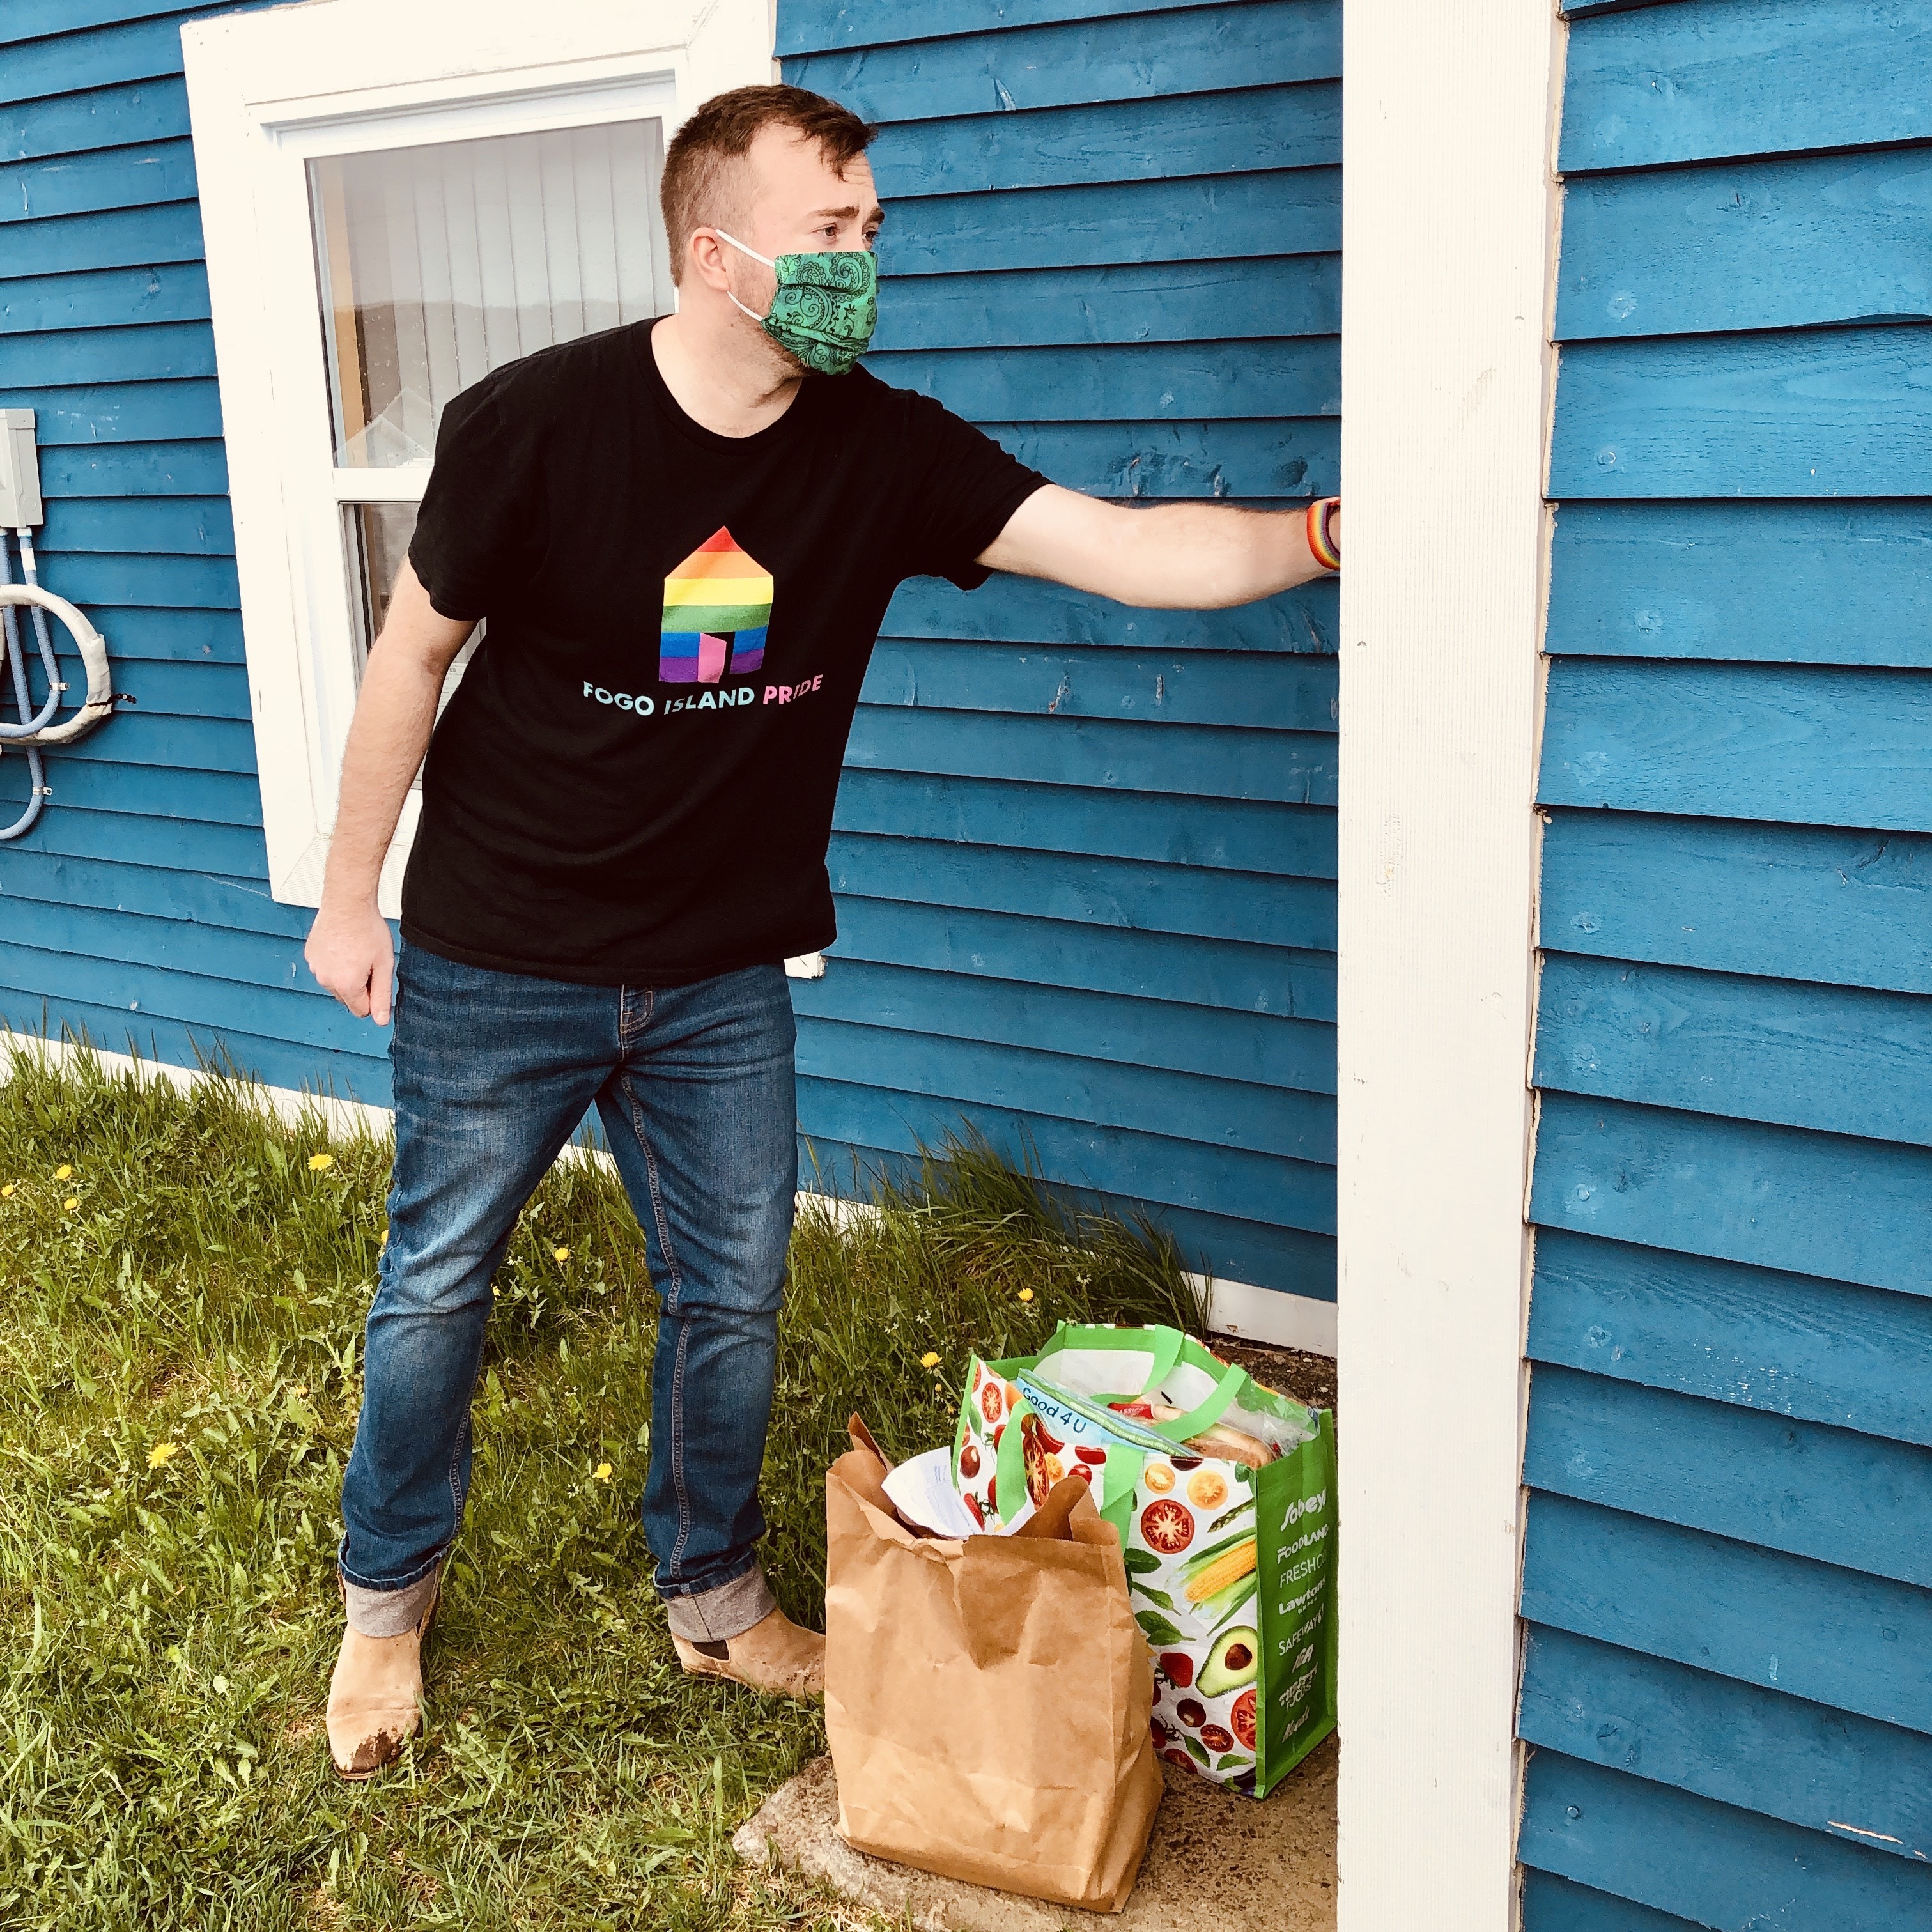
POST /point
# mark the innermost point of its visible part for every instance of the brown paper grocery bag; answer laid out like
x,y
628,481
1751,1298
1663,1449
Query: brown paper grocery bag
x,y
987,1701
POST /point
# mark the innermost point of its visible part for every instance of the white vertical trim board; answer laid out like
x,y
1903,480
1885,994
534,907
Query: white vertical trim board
x,y
1449,208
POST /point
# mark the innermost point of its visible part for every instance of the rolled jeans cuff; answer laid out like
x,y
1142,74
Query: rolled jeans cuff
x,y
714,1616
389,1612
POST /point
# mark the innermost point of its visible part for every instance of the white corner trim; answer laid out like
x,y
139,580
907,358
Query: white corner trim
x,y
1448,235
267,89
1268,1315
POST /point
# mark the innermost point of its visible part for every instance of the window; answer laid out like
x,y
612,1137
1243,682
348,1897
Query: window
x,y
397,200
435,264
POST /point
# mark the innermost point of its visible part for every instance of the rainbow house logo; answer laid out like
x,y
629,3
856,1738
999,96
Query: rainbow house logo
x,y
718,603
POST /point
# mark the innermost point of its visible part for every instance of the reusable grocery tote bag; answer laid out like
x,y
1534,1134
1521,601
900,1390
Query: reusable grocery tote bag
x,y
986,1700
1231,1565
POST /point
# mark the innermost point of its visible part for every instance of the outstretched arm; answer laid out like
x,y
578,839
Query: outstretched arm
x,y
1176,557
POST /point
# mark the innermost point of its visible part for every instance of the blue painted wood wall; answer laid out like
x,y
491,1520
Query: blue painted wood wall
x,y
1728,1682
139,907
1085,855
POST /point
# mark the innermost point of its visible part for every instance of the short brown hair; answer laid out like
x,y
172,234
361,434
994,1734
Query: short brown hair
x,y
697,190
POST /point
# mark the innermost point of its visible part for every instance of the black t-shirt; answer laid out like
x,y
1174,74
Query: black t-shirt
x,y
633,781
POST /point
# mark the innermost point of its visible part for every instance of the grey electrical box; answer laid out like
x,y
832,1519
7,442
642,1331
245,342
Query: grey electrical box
x,y
20,472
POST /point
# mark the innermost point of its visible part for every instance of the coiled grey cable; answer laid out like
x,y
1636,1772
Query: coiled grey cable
x,y
37,728
30,721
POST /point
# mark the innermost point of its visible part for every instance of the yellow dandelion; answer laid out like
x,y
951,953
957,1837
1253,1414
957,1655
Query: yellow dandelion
x,y
559,1254
63,1174
1026,1294
929,1360
7,1192
318,1163
161,1454
602,1472
72,1201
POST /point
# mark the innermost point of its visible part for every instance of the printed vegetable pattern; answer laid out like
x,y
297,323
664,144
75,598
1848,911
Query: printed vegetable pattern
x,y
991,1408
976,1452
1228,1553
1187,1583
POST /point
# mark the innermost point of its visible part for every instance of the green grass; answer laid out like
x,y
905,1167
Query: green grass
x,y
180,1335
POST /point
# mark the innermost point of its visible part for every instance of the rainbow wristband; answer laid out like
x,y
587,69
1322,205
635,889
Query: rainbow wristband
x,y
1321,546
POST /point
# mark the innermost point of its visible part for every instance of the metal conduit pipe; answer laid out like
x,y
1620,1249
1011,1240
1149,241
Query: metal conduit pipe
x,y
32,728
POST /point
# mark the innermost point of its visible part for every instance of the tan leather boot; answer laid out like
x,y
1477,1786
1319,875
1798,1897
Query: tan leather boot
x,y
375,1697
773,1655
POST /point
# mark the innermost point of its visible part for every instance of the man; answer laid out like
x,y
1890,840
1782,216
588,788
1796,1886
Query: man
x,y
684,535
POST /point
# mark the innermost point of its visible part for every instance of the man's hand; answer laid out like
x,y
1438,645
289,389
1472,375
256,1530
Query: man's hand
x,y
352,955
1175,556
348,949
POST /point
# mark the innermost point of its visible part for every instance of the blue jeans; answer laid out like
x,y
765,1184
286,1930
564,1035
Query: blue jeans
x,y
493,1073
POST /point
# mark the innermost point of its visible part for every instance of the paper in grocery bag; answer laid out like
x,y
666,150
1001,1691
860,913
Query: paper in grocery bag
x,y
987,1699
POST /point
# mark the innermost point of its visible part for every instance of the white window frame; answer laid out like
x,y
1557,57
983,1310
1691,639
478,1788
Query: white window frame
x,y
268,91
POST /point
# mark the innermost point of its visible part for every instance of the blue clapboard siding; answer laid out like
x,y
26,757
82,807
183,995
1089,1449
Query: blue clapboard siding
x,y
1790,1344
1840,1495
1084,855
1730,1440
1280,212
138,911
1736,581
1233,133
1839,1059
1550,1900
1133,55
1804,1762
1747,244
1731,1867
1805,1628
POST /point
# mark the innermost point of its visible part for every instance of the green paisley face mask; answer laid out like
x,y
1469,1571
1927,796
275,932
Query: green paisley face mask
x,y
826,307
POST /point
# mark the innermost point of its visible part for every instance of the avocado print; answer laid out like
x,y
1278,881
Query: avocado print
x,y
1231,1663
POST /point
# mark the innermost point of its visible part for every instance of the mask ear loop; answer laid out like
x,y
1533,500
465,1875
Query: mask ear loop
x,y
755,256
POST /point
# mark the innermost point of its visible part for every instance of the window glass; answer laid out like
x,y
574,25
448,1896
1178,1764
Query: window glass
x,y
379,540
438,263
378,537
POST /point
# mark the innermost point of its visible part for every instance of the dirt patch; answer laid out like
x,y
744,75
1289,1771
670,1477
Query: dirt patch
x,y
1310,1378
1217,1862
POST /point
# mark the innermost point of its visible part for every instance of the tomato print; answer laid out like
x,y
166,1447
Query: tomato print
x,y
1167,1526
1242,1717
1208,1488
